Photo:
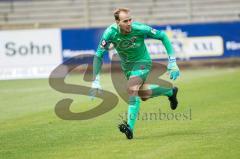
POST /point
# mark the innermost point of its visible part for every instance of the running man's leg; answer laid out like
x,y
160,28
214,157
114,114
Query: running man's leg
x,y
150,90
133,86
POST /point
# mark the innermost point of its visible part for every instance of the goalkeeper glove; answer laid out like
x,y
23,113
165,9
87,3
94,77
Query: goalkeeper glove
x,y
96,88
173,68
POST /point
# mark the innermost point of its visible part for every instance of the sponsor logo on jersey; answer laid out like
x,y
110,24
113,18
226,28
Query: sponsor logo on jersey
x,y
133,39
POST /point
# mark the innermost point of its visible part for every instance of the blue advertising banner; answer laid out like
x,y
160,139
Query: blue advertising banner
x,y
190,41
80,41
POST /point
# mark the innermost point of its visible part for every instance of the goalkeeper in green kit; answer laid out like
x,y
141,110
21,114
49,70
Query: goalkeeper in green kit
x,y
127,38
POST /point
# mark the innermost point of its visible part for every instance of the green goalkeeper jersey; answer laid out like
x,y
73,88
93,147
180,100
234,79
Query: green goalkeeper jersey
x,y
131,47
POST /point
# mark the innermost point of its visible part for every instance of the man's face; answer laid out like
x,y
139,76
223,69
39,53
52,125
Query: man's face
x,y
125,22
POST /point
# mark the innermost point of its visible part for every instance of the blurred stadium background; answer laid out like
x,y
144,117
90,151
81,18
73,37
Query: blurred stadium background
x,y
95,13
38,35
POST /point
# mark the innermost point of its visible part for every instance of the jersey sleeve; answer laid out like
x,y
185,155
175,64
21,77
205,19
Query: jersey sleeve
x,y
102,47
160,35
104,43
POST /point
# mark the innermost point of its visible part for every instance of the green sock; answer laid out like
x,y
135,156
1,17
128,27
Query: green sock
x,y
133,108
158,91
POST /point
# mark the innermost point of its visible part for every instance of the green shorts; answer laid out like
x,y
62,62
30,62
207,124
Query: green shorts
x,y
141,70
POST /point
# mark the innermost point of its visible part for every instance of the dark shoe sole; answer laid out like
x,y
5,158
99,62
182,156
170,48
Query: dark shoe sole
x,y
173,99
126,130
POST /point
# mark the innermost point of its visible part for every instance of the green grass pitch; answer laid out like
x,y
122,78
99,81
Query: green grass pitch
x,y
210,99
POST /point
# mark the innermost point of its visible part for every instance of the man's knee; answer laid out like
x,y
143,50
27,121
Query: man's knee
x,y
145,92
134,85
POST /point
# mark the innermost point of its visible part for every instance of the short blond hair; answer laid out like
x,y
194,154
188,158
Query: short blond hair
x,y
117,12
